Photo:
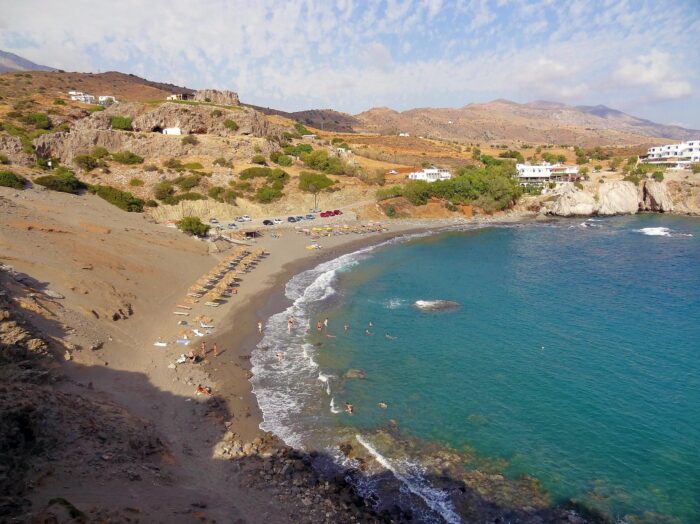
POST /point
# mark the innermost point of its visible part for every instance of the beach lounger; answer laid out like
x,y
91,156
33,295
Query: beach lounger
x,y
183,313
194,295
160,344
184,341
212,304
182,306
197,333
205,325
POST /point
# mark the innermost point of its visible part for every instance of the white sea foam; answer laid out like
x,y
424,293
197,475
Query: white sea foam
x,y
334,409
395,303
409,474
655,231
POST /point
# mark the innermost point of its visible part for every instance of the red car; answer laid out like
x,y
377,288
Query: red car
x,y
326,214
337,212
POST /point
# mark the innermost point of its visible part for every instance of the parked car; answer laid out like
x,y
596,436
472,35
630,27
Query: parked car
x,y
232,226
309,217
299,218
213,221
326,214
291,219
276,221
267,222
239,219
246,218
337,212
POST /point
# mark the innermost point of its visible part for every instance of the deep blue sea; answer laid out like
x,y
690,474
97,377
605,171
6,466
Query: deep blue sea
x,y
573,358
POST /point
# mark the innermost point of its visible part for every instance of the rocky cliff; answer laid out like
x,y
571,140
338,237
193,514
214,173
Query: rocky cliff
x,y
224,98
622,198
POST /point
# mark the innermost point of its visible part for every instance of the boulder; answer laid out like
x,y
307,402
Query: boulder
x,y
11,147
223,98
618,198
572,202
656,197
355,373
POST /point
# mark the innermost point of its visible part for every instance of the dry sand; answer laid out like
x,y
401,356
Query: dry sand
x,y
104,260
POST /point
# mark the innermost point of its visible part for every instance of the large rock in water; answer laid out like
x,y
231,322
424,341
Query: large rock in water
x,y
656,197
573,202
617,198
223,98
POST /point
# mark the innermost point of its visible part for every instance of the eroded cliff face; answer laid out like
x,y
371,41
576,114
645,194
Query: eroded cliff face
x,y
625,198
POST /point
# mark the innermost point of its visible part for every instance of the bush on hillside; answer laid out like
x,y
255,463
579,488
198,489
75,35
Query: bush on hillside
x,y
99,152
38,120
230,124
62,180
136,182
127,157
264,172
59,102
174,164
267,194
517,155
229,197
4,160
192,166
301,129
9,179
284,160
221,161
658,176
191,140
258,159
321,161
150,167
390,211
186,182
176,199
385,193
121,123
314,182
297,150
163,190
192,226
85,162
216,192
216,113
121,199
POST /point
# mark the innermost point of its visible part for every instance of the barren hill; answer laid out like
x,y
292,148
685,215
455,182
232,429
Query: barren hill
x,y
323,119
10,62
537,122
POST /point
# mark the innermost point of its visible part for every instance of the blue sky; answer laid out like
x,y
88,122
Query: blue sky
x,y
639,56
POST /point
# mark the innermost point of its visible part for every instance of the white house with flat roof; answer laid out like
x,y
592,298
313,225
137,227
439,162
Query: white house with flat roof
x,y
545,172
430,174
79,96
172,131
682,154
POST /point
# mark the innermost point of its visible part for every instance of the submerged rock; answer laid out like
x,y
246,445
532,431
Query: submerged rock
x,y
355,373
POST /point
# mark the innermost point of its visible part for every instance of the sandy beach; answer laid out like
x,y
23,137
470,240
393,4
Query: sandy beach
x,y
210,446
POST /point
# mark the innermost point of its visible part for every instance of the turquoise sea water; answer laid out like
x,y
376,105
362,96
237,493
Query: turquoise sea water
x,y
574,356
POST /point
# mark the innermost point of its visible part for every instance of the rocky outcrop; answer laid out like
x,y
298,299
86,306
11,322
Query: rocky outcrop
x,y
223,98
11,147
617,198
572,202
656,197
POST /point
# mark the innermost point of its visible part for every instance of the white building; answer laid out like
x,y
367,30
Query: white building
x,y
430,174
404,134
545,172
106,100
682,154
79,96
172,131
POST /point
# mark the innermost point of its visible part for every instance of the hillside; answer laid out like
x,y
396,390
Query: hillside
x,y
10,62
323,119
510,122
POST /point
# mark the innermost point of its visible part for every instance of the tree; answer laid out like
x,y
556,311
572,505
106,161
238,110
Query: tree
x,y
192,226
127,157
122,123
85,162
9,179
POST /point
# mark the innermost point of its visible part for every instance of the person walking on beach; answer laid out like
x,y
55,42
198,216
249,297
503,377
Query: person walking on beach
x,y
203,349
290,324
259,327
216,349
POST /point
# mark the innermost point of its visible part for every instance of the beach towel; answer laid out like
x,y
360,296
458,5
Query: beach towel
x,y
183,341
160,344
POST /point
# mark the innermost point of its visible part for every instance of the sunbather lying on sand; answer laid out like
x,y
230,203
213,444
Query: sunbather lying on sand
x,y
202,390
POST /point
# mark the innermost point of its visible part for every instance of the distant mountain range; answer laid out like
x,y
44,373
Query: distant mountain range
x,y
498,121
10,62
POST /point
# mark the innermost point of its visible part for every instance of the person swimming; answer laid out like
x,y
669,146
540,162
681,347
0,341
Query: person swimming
x,y
387,335
319,326
349,408
345,327
382,405
368,332
280,356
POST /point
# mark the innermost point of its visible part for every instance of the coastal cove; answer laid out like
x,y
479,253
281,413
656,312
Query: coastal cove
x,y
569,367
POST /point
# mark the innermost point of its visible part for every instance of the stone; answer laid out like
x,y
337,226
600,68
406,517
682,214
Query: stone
x,y
656,197
214,96
355,373
617,198
572,202
53,294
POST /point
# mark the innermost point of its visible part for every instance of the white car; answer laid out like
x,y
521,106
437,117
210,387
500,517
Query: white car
x,y
246,218
277,221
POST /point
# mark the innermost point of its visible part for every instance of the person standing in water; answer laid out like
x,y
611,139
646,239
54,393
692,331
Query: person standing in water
x,y
345,327
290,324
348,408
325,322
319,326
259,327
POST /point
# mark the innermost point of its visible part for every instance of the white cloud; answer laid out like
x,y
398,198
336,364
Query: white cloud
x,y
656,70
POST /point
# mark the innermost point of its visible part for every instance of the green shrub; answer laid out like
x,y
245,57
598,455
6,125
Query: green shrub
x,y
658,176
297,150
301,129
284,160
59,102
216,113
121,199
191,140
186,182
85,162
267,194
230,124
193,166
229,197
221,161
174,163
337,140
38,120
417,192
136,182
62,180
695,168
314,182
4,160
151,203
632,178
390,211
578,185
512,154
264,172
192,226
9,179
127,157
95,109
175,199
216,192
241,186
121,123
99,152
163,190
258,159
321,161
385,193
150,167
